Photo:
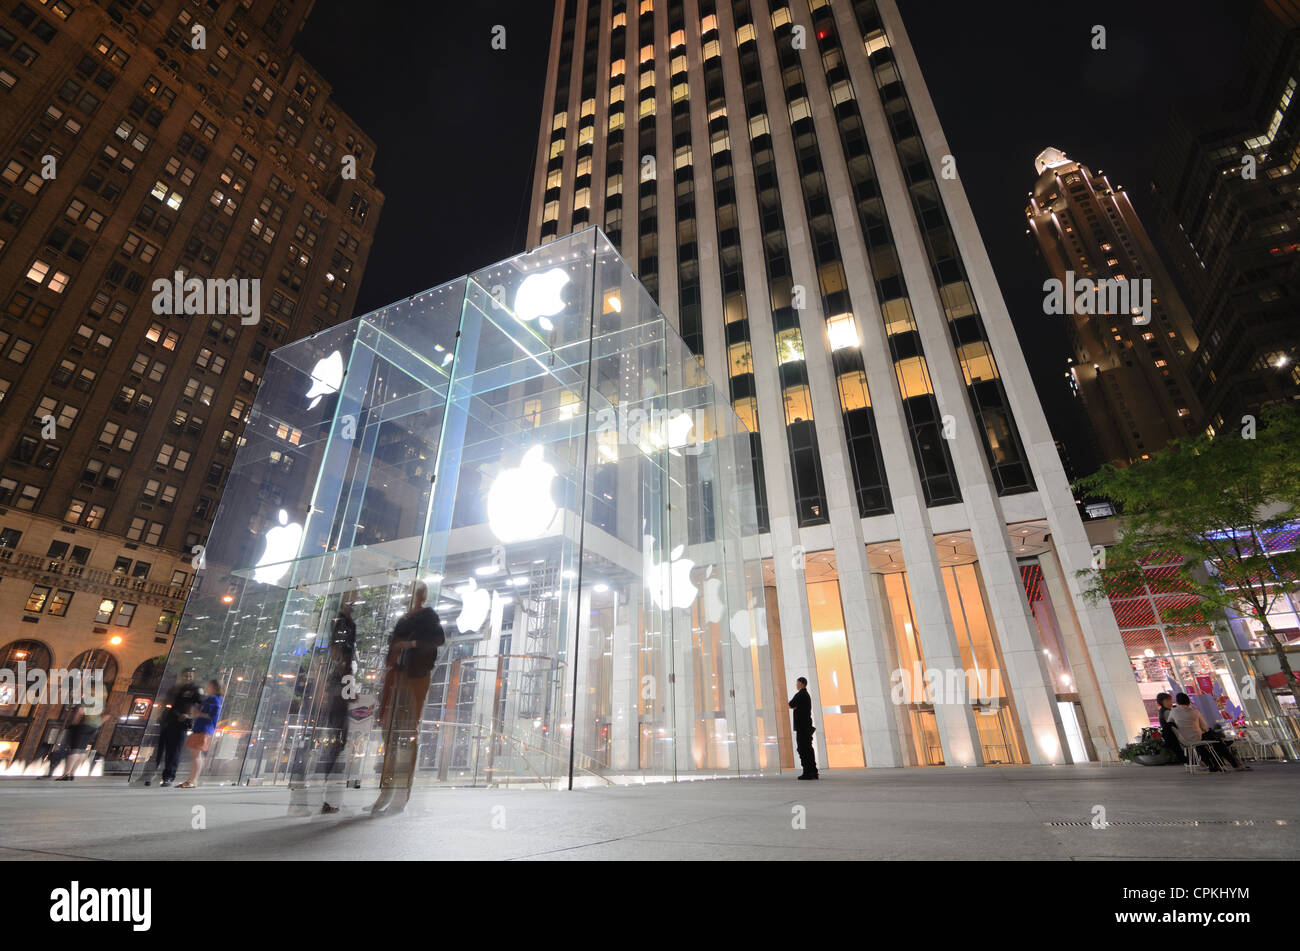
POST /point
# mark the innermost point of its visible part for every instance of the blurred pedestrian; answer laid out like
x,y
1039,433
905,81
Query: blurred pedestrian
x,y
175,723
205,724
412,653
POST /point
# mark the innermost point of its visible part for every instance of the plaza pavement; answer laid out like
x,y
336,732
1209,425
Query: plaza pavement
x,y
991,813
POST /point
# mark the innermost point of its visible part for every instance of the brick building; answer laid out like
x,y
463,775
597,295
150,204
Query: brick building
x,y
139,140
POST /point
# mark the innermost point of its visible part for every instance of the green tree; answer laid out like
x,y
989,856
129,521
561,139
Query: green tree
x,y
1212,501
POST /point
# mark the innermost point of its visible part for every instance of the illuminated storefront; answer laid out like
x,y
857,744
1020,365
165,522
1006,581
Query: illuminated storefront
x,y
1228,669
536,445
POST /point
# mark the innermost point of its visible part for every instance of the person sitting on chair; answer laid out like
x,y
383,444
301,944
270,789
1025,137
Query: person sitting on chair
x,y
1175,748
1191,726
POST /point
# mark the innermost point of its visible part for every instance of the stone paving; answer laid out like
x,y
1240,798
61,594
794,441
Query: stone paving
x,y
990,813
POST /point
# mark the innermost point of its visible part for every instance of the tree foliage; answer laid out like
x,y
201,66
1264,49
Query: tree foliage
x,y
1225,502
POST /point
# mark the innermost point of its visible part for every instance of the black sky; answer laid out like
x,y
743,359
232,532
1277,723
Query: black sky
x,y
455,124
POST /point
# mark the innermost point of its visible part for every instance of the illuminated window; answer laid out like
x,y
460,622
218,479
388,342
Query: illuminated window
x,y
789,346
798,405
843,332
740,357
913,376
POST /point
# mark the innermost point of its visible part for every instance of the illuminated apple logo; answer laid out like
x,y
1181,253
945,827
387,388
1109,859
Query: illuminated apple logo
x,y
539,297
714,606
520,506
326,378
673,575
740,624
475,603
679,431
281,549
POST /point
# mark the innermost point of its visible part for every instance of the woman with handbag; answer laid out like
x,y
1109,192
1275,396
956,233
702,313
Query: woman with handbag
x,y
205,725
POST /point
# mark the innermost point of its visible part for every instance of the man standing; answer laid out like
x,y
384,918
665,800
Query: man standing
x,y
801,704
412,653
175,723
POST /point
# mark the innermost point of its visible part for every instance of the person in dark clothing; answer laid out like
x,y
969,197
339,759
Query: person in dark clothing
x,y
801,704
76,737
175,722
325,728
412,653
1167,734
340,687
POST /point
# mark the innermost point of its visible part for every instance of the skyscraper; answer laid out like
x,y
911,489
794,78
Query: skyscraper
x,y
1226,206
776,174
148,141
1133,377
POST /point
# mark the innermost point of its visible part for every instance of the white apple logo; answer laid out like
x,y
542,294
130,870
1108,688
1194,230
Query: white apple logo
x,y
673,574
740,624
475,603
539,297
714,606
520,506
281,549
679,431
326,378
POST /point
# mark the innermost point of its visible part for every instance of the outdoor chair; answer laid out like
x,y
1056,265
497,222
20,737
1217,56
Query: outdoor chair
x,y
1200,753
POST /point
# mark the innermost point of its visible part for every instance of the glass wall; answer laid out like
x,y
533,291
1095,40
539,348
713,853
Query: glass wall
x,y
535,444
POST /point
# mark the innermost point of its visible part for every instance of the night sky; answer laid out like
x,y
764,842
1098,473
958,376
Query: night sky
x,y
455,123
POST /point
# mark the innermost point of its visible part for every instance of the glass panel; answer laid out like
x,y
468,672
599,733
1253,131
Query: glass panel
x,y
834,676
535,446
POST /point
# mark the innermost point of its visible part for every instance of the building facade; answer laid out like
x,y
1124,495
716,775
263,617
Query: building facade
x,y
1227,209
145,141
1133,377
776,174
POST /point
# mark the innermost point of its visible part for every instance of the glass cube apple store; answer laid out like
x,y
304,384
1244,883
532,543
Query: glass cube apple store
x,y
536,444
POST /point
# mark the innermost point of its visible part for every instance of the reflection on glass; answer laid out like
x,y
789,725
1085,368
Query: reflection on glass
x,y
536,446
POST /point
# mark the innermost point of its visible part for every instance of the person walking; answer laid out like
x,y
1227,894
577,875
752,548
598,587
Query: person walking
x,y
205,724
1167,734
78,733
412,653
330,686
801,704
175,722
1191,726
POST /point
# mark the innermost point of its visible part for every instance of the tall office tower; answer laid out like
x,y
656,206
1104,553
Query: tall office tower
x,y
1228,210
141,139
775,172
1133,377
